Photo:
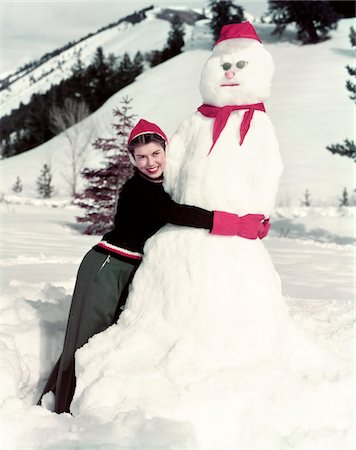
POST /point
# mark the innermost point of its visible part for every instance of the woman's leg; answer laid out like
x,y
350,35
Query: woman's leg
x,y
101,284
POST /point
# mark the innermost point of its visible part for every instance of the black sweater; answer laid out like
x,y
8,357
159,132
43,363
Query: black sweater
x,y
143,208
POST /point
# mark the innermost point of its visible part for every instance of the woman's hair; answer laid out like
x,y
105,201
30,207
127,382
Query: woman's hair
x,y
146,139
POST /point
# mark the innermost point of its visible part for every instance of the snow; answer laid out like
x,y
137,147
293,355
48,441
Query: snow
x,y
40,257
167,375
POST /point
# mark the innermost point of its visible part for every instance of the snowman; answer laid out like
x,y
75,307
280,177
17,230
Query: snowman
x,y
206,330
226,154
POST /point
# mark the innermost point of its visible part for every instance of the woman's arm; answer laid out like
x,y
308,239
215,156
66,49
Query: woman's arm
x,y
249,226
167,210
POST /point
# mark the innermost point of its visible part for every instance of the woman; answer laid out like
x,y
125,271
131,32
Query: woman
x,y
107,269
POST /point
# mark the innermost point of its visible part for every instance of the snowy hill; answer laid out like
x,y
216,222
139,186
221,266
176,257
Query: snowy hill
x,y
309,108
128,35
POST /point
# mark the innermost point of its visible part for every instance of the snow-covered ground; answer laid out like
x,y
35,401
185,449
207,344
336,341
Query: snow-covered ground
x,y
41,249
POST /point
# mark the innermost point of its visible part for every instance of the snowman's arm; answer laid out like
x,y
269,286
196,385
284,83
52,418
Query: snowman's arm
x,y
275,162
176,155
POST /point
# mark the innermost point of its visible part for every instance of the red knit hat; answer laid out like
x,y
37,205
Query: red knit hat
x,y
145,127
236,31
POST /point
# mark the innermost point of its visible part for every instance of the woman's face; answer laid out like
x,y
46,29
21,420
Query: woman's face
x,y
150,159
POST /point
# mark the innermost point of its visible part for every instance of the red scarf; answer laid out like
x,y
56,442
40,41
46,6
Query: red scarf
x,y
221,115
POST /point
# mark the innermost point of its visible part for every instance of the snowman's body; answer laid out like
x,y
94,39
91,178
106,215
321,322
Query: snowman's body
x,y
203,309
240,179
230,281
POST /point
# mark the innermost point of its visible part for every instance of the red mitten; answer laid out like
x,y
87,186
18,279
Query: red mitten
x,y
227,224
250,226
266,227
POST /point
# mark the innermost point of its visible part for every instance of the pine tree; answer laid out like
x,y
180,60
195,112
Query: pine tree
x,y
175,41
344,199
350,85
36,121
348,147
154,57
17,186
44,182
138,63
306,201
174,44
224,13
126,70
99,199
344,8
99,74
313,18
79,81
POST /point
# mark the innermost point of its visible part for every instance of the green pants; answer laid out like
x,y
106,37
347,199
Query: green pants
x,y
99,295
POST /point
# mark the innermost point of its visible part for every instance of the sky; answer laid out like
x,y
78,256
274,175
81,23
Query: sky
x,y
29,29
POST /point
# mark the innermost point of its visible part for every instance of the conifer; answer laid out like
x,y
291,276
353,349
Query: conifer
x,y
313,18
44,182
17,186
99,199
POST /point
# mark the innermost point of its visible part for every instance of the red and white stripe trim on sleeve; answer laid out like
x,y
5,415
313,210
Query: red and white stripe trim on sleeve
x,y
120,251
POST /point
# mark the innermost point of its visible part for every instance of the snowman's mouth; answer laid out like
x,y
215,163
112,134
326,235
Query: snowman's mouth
x,y
230,84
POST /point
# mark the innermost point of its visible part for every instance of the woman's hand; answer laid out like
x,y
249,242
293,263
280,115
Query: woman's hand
x,y
250,226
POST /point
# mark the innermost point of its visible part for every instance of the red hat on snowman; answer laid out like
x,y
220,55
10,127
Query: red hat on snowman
x,y
236,31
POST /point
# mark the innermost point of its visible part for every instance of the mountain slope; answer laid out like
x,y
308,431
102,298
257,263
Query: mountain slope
x,y
150,33
309,108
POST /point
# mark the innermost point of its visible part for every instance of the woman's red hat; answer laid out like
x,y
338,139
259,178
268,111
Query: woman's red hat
x,y
145,127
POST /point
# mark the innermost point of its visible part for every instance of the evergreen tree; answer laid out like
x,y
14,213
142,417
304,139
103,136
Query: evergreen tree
x,y
306,201
344,200
174,44
99,199
224,13
36,121
126,70
313,18
344,8
138,63
17,186
348,147
29,125
78,83
350,85
44,182
78,67
154,57
175,41
99,75
352,37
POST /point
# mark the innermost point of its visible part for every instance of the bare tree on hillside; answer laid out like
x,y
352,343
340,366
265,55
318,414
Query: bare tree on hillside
x,y
62,120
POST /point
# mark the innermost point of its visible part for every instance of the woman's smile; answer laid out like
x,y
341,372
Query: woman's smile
x,y
150,159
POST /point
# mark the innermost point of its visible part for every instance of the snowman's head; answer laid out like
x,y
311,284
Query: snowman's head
x,y
238,72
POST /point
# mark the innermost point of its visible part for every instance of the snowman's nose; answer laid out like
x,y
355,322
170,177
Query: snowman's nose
x,y
229,74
